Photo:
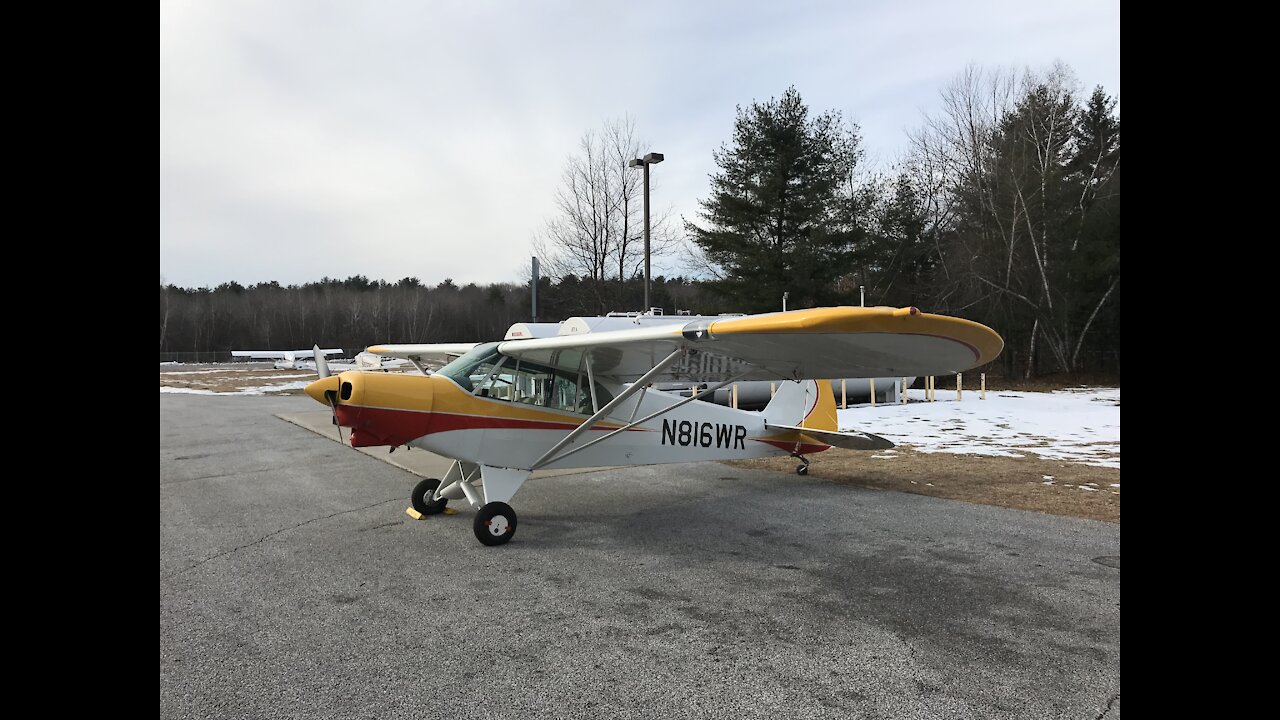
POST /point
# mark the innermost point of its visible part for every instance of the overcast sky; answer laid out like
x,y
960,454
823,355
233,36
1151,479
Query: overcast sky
x,y
389,139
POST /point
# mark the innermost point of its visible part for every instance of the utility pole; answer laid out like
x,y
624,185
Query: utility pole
x,y
646,161
535,288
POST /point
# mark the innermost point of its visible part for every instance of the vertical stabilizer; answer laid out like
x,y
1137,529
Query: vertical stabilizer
x,y
809,404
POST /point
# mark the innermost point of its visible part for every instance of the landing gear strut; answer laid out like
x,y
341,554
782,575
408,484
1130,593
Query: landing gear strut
x,y
495,523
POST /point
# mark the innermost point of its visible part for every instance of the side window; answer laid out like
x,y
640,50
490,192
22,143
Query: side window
x,y
505,378
539,385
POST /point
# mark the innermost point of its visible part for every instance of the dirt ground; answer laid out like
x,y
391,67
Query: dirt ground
x,y
231,378
1048,486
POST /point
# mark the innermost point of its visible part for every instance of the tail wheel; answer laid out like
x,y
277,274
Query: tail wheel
x,y
421,497
495,523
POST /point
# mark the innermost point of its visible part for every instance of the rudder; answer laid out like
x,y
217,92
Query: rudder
x,y
808,404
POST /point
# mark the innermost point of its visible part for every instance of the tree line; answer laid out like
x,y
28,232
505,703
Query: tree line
x,y
357,312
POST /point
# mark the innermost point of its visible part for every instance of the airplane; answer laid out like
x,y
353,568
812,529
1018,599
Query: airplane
x,y
293,359
368,361
286,359
502,410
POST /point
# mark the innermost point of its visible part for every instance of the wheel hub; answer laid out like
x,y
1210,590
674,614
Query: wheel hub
x,y
497,525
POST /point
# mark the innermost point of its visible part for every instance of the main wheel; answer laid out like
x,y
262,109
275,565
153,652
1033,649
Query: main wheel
x,y
495,523
802,470
421,497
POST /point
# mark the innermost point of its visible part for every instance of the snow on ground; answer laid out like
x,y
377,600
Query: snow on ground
x,y
255,390
187,391
1078,425
278,387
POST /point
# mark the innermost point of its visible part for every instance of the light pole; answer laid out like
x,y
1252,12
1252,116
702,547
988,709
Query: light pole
x,y
645,162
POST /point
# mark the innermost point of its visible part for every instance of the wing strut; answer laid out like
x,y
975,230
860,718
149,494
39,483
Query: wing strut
x,y
634,388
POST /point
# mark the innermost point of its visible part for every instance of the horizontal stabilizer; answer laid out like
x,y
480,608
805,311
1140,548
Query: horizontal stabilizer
x,y
846,440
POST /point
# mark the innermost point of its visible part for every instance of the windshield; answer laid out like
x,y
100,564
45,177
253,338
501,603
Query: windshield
x,y
461,369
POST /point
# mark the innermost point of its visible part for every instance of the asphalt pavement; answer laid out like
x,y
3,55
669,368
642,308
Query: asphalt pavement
x,y
293,585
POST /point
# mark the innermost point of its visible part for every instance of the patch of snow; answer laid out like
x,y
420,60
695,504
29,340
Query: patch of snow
x,y
1068,425
278,387
259,390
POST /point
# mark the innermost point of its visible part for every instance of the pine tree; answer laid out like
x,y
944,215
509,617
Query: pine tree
x,y
777,219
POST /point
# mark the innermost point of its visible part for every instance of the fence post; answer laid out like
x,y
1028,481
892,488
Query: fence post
x,y
873,392
735,396
844,398
773,388
982,395
902,396
959,387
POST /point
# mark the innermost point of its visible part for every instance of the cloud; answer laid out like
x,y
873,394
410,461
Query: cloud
x,y
304,139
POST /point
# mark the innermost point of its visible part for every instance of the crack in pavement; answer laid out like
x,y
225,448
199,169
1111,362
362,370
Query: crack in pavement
x,y
214,477
270,535
1110,702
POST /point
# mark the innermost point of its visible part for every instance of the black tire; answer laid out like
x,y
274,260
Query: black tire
x,y
495,523
802,470
421,495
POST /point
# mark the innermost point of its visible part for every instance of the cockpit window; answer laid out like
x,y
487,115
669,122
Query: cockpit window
x,y
487,373
478,364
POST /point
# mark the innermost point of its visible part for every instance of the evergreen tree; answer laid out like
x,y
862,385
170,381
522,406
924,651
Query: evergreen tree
x,y
778,217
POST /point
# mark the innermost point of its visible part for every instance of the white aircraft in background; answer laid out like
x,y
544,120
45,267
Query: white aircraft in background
x,y
295,359
505,409
286,359
370,362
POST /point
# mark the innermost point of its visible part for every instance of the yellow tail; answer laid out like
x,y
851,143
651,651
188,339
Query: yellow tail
x,y
823,415
791,407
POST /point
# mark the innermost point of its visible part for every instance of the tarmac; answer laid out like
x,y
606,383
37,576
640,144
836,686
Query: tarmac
x,y
293,585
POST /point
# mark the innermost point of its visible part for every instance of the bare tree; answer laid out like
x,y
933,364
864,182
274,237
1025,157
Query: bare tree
x,y
597,234
1006,204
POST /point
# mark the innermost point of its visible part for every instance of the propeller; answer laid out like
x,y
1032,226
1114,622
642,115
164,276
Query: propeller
x,y
322,367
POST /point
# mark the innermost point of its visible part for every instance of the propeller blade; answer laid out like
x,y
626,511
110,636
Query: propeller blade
x,y
322,365
333,403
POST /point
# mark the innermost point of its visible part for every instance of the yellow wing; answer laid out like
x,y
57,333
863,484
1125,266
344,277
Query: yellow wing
x,y
812,344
